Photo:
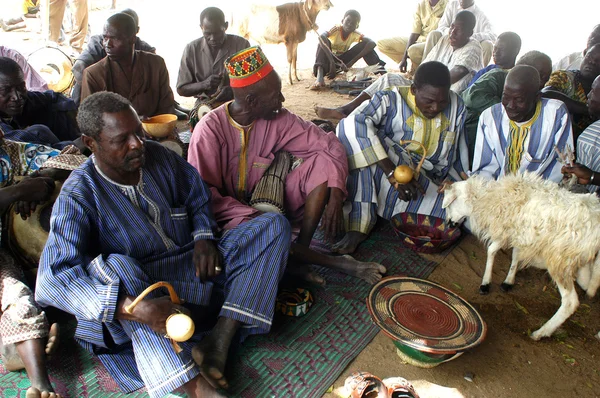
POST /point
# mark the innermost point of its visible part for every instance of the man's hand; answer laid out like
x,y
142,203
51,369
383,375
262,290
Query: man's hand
x,y
403,64
207,260
154,312
333,217
226,94
213,82
31,192
408,191
583,173
445,184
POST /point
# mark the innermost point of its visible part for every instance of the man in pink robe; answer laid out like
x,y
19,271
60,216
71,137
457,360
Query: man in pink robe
x,y
233,146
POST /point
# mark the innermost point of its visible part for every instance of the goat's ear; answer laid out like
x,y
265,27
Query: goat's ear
x,y
449,196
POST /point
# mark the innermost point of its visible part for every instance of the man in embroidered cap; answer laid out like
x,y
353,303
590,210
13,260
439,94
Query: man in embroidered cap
x,y
242,137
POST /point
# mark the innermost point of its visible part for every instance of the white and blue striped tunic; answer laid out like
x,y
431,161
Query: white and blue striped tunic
x,y
588,150
373,132
108,239
552,127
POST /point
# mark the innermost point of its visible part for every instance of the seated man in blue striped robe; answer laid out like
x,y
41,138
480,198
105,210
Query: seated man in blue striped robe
x,y
134,214
427,112
587,168
520,133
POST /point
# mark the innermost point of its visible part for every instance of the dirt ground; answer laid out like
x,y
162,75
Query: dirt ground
x,y
508,363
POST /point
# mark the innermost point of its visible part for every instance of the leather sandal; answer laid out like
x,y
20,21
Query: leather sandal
x,y
365,385
399,387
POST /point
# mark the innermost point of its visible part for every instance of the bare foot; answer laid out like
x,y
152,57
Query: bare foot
x,y
211,353
317,86
53,337
349,242
329,113
33,392
370,272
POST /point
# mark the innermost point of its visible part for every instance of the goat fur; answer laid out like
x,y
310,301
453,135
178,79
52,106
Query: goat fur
x,y
547,226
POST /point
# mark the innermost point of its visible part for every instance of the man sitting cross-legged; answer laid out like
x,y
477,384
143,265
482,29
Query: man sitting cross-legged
x,y
233,146
520,133
134,214
428,112
336,51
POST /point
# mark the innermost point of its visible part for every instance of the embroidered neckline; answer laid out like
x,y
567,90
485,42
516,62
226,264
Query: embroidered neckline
x,y
107,178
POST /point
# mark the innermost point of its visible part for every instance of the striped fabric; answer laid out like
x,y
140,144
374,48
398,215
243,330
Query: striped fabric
x,y
519,132
588,150
372,132
108,239
552,127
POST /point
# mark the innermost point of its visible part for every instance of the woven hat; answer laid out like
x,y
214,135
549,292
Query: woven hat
x,y
247,67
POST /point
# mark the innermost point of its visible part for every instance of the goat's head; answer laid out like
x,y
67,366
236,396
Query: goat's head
x,y
457,202
319,4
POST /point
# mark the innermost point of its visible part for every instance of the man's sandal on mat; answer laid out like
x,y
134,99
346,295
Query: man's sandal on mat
x,y
399,387
365,385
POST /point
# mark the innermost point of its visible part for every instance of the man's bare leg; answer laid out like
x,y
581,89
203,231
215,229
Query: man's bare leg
x,y
211,353
320,82
349,242
368,271
33,354
342,111
313,211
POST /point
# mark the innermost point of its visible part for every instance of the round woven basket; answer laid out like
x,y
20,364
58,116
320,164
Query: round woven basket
x,y
425,316
423,233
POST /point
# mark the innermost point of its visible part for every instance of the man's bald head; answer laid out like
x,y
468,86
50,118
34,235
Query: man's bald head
x,y
539,61
524,76
133,15
521,92
594,37
123,23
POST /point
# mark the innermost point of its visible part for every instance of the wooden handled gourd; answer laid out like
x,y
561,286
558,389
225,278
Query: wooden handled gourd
x,y
403,174
180,327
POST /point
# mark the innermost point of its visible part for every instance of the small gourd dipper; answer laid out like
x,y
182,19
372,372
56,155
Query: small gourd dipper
x,y
180,327
403,174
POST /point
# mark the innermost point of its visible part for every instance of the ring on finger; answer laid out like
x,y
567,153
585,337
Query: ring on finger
x,y
218,269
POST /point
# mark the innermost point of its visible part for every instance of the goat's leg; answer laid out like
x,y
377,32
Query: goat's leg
x,y
509,282
489,265
295,58
290,56
584,276
592,287
568,305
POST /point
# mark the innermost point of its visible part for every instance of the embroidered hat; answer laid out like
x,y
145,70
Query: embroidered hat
x,y
247,67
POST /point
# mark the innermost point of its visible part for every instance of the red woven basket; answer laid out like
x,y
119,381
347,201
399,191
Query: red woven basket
x,y
423,233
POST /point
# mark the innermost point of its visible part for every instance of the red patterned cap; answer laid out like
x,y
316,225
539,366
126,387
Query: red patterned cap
x,y
247,67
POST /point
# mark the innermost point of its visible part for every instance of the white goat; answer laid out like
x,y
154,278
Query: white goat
x,y
547,226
